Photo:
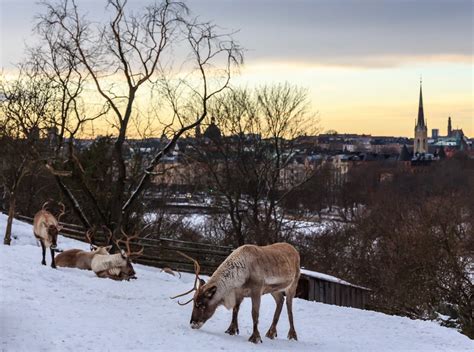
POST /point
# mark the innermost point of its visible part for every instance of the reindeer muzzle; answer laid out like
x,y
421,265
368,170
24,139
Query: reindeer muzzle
x,y
196,325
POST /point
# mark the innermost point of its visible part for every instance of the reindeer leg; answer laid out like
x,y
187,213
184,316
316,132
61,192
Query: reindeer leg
x,y
234,325
256,297
289,307
53,263
43,248
272,332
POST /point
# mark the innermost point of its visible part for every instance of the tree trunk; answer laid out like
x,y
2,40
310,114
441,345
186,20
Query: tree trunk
x,y
11,213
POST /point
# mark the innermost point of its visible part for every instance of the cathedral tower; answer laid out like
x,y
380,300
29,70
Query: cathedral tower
x,y
420,145
450,128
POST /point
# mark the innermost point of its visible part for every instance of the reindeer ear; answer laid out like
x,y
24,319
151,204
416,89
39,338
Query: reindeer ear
x,y
199,283
108,248
210,292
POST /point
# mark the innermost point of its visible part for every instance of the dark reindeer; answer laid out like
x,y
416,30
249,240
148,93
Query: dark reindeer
x,y
249,271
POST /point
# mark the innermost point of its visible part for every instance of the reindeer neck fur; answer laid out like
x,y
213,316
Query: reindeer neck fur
x,y
229,277
41,222
44,218
102,262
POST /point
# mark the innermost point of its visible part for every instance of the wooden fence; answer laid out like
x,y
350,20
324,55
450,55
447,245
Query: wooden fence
x,y
159,252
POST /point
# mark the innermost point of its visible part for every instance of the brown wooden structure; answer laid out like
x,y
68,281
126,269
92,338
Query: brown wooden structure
x,y
314,286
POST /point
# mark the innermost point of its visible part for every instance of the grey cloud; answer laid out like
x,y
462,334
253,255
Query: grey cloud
x,y
346,32
350,32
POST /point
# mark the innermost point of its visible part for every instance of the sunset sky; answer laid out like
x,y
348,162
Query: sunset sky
x,y
360,60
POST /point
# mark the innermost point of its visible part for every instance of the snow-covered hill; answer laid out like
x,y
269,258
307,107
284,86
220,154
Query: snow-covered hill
x,y
72,310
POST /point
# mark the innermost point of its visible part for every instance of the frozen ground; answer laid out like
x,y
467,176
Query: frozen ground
x,y
42,309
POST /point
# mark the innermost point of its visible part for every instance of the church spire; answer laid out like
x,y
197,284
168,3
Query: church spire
x,y
449,127
420,143
421,115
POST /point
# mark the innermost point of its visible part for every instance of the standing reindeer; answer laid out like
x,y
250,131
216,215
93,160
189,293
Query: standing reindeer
x,y
46,228
249,271
77,258
117,266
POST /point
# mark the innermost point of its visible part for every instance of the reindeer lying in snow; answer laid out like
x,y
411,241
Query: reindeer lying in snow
x,y
116,266
46,229
77,258
249,271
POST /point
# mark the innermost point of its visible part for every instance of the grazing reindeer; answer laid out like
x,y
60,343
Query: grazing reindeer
x,y
249,271
46,228
77,258
117,266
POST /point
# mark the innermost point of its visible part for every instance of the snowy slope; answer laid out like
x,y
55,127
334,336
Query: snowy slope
x,y
42,309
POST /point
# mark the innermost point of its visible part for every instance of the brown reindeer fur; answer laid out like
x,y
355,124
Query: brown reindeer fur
x,y
77,258
42,221
46,229
250,271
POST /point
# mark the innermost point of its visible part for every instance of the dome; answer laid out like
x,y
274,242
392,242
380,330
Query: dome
x,y
212,131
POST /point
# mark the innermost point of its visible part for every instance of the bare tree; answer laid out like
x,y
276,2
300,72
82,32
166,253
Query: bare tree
x,y
246,164
26,107
138,50
414,251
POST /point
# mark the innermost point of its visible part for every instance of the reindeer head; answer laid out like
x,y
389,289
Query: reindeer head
x,y
53,232
96,249
205,303
54,229
127,271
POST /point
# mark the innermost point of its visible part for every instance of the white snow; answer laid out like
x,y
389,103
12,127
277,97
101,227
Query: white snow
x,y
318,275
42,309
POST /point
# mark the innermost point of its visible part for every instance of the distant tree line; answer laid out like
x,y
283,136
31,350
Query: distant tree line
x,y
413,244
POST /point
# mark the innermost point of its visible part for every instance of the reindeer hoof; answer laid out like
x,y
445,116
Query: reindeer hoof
x,y
271,334
53,266
255,338
232,330
292,335
43,262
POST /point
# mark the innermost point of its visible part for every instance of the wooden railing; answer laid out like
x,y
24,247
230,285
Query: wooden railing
x,y
160,251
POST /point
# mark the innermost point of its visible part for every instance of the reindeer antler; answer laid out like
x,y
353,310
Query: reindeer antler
x,y
45,204
62,211
108,238
197,269
127,244
90,236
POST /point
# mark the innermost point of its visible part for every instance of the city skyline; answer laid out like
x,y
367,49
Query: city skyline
x,y
360,61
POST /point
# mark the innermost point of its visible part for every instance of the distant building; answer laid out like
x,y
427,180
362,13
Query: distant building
x,y
404,154
213,132
455,140
420,143
449,126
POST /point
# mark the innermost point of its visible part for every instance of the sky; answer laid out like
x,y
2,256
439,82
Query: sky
x,y
361,60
